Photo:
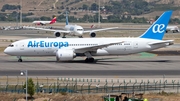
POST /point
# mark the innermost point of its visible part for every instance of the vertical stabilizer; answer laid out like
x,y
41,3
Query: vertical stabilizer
x,y
67,18
158,28
53,20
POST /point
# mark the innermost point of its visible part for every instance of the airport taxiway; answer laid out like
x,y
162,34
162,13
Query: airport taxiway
x,y
129,66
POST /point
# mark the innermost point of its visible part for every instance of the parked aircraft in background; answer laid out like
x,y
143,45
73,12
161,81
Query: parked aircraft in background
x,y
7,28
66,49
174,29
45,22
73,30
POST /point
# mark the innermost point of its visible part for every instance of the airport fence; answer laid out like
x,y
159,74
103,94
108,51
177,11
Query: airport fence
x,y
90,86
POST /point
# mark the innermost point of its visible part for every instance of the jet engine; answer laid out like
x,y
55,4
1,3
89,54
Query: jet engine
x,y
92,34
57,34
65,55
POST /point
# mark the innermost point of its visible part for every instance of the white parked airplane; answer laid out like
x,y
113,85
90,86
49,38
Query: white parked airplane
x,y
174,29
66,49
73,30
45,22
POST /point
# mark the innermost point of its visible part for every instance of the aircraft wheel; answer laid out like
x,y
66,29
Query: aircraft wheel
x,y
20,60
86,60
91,60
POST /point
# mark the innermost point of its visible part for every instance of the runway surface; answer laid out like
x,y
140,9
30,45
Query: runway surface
x,y
92,73
127,66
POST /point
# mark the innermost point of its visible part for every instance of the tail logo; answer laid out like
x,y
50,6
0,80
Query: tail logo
x,y
158,28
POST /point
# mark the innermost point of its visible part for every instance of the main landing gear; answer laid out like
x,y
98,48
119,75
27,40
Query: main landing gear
x,y
80,36
89,58
64,36
19,58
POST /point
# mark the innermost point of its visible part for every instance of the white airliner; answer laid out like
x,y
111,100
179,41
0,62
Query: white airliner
x,y
174,29
73,30
45,22
66,49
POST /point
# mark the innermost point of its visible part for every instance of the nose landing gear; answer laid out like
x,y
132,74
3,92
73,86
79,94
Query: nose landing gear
x,y
19,58
80,36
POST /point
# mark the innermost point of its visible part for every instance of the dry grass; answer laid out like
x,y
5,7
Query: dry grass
x,y
82,97
163,97
2,49
51,97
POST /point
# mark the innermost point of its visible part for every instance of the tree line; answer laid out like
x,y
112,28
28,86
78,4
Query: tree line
x,y
117,11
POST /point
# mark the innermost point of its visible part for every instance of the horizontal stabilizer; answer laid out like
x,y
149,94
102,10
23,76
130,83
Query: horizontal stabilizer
x,y
161,42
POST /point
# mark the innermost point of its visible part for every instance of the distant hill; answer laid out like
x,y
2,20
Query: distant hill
x,y
48,8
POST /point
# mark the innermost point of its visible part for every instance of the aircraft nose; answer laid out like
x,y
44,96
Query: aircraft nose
x,y
81,32
7,51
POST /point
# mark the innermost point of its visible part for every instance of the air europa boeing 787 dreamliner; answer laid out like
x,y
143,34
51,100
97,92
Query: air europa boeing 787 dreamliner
x,y
66,49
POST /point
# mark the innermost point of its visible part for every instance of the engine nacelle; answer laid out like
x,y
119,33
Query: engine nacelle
x,y
57,34
92,34
65,55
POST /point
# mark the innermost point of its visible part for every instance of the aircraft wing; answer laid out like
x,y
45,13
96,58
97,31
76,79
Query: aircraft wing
x,y
96,30
170,42
42,23
51,30
94,48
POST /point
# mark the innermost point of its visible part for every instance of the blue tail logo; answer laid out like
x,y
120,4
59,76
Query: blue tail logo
x,y
158,28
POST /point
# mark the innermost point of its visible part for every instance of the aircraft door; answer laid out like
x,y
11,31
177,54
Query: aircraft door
x,y
127,46
135,44
21,46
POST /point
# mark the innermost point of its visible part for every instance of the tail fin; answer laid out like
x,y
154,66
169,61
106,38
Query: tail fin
x,y
158,28
53,20
67,23
92,26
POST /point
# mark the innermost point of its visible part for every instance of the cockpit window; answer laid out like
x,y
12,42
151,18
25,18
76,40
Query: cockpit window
x,y
79,29
11,45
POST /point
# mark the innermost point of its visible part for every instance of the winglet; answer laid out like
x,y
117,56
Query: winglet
x,y
158,28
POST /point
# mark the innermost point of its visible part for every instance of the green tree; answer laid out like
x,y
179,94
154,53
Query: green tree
x,y
30,86
75,13
85,7
45,18
94,7
156,18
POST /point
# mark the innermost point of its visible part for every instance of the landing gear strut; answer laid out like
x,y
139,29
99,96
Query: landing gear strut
x,y
19,58
64,36
57,59
89,58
